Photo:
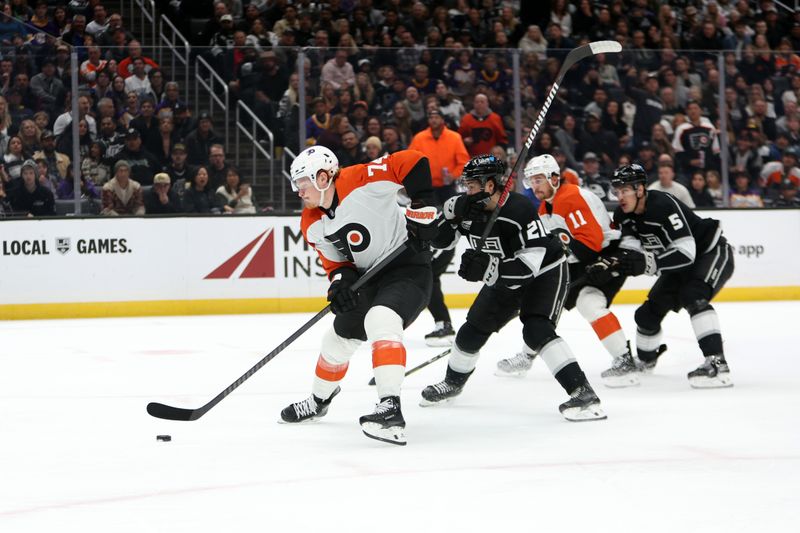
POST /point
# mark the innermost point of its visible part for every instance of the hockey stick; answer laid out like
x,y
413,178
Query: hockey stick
x,y
422,365
582,52
159,410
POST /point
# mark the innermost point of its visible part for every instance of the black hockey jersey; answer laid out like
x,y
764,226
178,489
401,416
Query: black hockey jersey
x,y
670,230
519,238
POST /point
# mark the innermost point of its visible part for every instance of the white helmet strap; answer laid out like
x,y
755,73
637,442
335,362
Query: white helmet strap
x,y
330,181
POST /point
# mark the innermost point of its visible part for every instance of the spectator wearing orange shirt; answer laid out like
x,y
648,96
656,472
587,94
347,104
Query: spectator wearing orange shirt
x,y
482,128
134,51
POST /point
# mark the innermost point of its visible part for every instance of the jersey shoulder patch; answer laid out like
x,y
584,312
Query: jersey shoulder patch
x,y
390,168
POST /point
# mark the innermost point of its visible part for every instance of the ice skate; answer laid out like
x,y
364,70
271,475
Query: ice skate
x,y
623,372
386,423
442,335
309,409
647,366
446,390
439,393
712,374
583,405
516,366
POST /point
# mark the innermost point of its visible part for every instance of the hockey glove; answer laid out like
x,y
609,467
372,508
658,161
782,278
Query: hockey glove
x,y
422,222
479,266
466,207
634,263
340,294
602,271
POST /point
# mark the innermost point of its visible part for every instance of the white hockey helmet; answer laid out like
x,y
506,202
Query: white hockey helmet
x,y
308,164
541,164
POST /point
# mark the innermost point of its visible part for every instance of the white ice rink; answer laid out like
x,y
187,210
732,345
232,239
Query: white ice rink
x,y
78,451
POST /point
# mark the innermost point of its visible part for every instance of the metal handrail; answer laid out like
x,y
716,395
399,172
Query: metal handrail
x,y
255,124
287,156
144,13
170,42
209,86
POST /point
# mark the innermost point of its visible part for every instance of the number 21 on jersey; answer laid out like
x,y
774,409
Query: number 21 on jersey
x,y
536,229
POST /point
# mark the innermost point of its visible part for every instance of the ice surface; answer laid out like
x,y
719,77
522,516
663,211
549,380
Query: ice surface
x,y
79,453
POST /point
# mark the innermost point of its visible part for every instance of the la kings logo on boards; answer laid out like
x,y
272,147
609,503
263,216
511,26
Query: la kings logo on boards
x,y
63,244
350,238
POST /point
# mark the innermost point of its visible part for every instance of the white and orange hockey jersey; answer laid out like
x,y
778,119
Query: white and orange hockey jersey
x,y
773,173
584,218
365,223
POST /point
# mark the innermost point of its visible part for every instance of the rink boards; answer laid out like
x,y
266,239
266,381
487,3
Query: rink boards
x,y
61,268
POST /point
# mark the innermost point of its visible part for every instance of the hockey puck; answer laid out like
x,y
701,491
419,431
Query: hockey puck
x,y
164,438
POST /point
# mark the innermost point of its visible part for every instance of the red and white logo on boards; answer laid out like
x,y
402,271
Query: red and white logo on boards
x,y
260,265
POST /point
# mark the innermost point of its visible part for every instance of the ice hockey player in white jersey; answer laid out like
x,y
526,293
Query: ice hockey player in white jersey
x,y
352,219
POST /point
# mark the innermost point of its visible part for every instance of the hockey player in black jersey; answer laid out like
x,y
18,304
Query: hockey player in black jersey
x,y
524,271
661,236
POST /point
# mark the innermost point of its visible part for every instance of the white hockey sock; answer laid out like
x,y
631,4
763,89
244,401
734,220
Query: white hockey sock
x,y
327,377
332,363
593,306
556,355
384,328
389,365
647,343
462,361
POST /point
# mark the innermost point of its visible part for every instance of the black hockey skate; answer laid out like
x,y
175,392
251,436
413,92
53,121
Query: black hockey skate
x,y
309,409
647,365
516,366
623,371
386,423
712,374
442,335
583,405
446,390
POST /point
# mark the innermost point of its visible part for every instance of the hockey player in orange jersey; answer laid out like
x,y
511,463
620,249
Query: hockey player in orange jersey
x,y
352,219
582,222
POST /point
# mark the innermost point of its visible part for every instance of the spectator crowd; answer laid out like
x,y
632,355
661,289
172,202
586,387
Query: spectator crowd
x,y
380,74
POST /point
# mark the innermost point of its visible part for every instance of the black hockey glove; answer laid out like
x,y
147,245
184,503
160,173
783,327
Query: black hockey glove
x,y
340,294
479,266
422,223
602,271
466,207
634,263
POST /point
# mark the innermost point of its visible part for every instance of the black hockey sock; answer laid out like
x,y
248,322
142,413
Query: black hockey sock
x,y
711,344
457,378
571,377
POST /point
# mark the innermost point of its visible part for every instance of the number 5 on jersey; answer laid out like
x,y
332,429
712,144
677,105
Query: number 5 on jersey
x,y
676,221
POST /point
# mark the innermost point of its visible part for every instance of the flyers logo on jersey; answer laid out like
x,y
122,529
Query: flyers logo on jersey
x,y
350,238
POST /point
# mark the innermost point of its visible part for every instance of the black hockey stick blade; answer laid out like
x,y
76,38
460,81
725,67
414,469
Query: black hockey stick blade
x,y
582,52
167,412
421,365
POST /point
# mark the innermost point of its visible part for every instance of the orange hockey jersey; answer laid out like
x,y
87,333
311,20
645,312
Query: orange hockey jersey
x,y
365,222
581,220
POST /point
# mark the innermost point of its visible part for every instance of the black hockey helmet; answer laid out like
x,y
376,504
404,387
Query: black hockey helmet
x,y
629,174
483,168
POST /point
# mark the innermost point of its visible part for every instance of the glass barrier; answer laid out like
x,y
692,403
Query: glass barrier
x,y
215,129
